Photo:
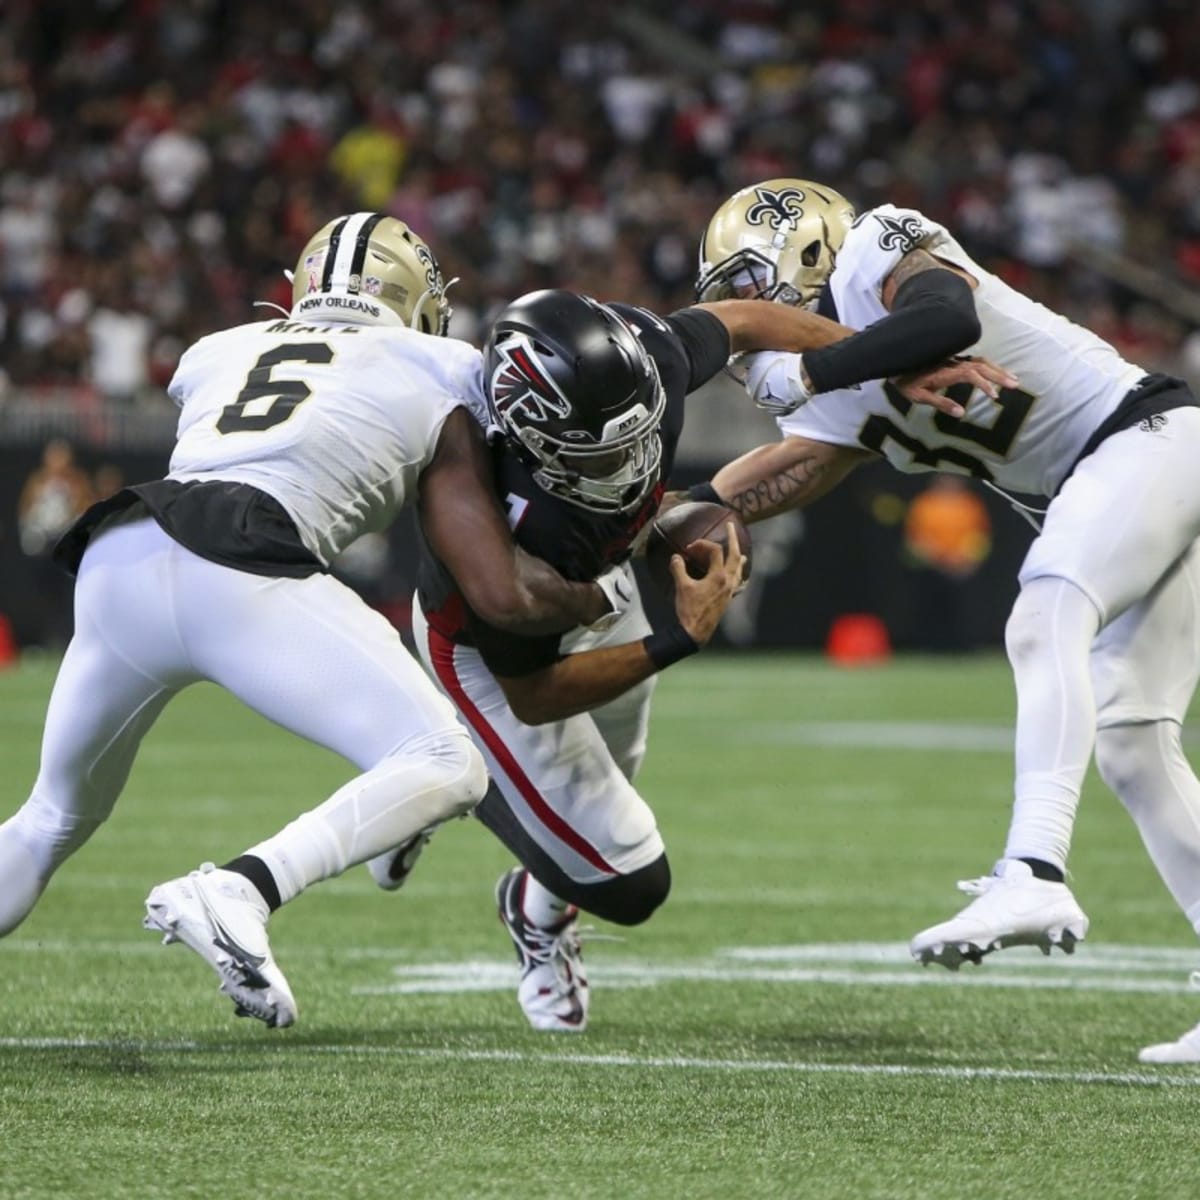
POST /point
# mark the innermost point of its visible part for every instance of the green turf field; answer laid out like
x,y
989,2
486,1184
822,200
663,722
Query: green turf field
x,y
764,1036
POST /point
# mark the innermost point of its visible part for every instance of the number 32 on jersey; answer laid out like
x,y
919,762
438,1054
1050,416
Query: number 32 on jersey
x,y
997,438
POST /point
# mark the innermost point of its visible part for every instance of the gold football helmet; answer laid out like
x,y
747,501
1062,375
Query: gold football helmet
x,y
371,269
775,240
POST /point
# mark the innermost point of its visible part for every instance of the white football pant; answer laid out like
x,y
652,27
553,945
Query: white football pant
x,y
566,782
151,617
1104,640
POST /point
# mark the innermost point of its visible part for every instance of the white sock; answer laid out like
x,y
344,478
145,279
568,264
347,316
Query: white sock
x,y
542,908
1049,638
1146,767
375,812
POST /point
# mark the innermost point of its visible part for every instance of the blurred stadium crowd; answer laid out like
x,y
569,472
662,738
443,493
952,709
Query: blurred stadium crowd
x,y
165,159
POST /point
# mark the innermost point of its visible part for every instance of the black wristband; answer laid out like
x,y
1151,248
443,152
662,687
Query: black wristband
x,y
667,646
704,492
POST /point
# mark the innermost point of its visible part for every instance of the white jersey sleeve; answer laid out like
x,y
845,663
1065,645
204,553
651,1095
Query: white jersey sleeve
x,y
1028,438
336,421
876,243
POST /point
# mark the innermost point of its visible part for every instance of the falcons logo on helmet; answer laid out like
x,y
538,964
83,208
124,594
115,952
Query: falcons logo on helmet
x,y
520,388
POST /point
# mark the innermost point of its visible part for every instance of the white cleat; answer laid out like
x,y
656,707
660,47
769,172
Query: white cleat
x,y
391,869
1012,907
221,916
553,992
1185,1050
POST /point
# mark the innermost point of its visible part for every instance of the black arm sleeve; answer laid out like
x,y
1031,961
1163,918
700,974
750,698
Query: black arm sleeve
x,y
705,341
932,319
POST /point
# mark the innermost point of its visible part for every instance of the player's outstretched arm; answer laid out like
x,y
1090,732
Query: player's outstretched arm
x,y
766,325
584,681
466,530
788,474
931,317
911,347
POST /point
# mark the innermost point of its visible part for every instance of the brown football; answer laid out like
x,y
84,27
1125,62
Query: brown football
x,y
689,522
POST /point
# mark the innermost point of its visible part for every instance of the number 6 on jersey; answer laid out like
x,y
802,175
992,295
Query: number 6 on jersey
x,y
288,393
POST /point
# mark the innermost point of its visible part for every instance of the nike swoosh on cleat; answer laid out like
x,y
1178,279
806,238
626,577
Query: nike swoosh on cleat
x,y
224,940
239,954
403,860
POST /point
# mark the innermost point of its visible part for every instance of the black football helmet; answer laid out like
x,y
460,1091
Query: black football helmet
x,y
570,385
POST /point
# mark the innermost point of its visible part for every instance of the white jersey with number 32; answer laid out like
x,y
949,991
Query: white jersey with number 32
x,y
335,421
1028,438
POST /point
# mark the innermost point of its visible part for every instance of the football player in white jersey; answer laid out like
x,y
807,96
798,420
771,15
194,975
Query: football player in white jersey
x,y
296,436
1104,637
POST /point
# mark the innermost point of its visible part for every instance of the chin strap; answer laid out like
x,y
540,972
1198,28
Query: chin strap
x,y
271,304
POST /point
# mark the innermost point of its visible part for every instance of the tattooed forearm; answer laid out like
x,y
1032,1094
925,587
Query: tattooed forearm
x,y
787,474
913,263
788,488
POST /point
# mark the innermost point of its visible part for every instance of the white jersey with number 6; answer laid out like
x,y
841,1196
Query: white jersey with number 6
x,y
1027,439
336,422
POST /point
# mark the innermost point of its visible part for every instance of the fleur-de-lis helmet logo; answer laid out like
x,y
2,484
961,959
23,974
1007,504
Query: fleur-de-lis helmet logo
x,y
776,208
433,276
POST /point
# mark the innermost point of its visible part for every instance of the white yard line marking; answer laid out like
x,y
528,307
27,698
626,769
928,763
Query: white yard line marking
x,y
496,975
649,1062
1144,970
1100,957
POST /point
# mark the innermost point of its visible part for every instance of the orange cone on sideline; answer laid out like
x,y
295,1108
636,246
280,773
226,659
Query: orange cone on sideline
x,y
858,639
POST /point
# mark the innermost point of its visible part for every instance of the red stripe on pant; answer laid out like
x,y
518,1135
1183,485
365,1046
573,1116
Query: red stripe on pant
x,y
441,653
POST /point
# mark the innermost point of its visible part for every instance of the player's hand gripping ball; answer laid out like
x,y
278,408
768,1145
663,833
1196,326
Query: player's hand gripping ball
x,y
677,528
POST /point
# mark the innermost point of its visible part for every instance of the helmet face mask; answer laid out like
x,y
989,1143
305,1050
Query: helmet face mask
x,y
370,269
612,476
745,275
571,387
776,240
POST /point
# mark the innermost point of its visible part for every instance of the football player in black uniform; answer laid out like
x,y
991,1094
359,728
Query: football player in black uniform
x,y
585,411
